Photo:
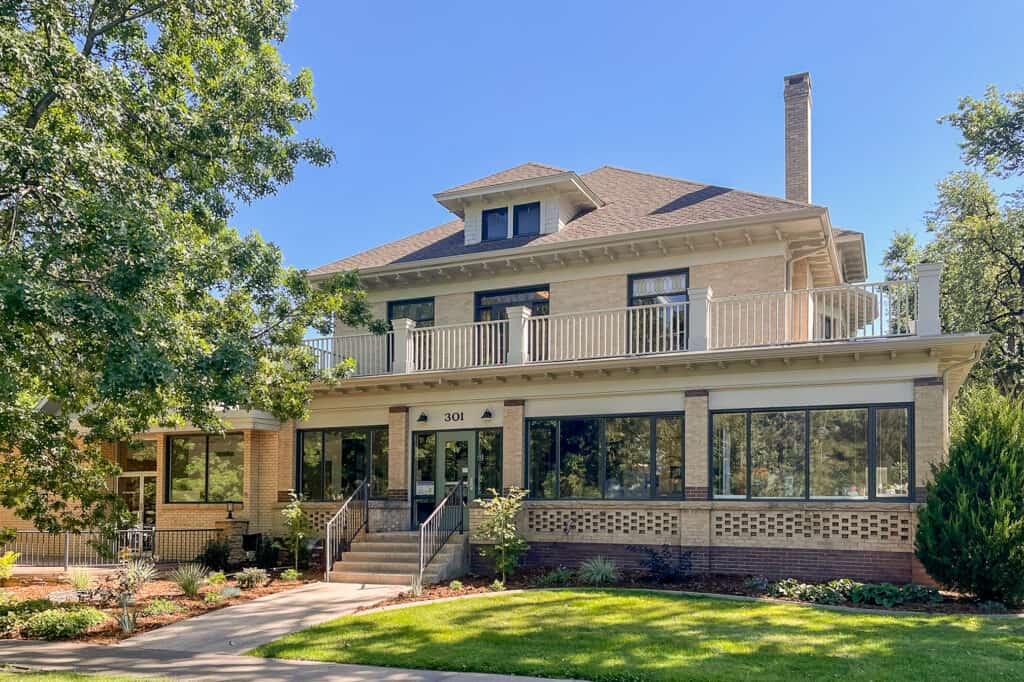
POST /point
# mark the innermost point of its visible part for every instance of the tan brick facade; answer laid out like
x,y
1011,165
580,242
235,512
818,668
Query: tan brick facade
x,y
752,275
695,477
594,293
512,457
399,463
931,429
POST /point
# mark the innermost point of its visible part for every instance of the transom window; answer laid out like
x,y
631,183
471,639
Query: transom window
x,y
861,452
136,456
492,305
494,223
205,468
659,287
621,457
526,219
332,462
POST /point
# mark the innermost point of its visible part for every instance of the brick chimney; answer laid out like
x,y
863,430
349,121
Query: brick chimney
x,y
797,94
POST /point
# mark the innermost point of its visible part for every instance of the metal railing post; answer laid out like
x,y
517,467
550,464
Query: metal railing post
x,y
67,549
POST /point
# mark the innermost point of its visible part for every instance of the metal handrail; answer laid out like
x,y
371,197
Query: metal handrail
x,y
339,533
443,522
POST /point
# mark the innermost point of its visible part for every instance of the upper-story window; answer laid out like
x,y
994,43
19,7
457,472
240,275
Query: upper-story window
x,y
491,305
419,310
659,287
495,223
526,219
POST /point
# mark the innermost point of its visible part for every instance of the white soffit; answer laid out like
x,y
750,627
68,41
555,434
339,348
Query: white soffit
x,y
810,396
631,404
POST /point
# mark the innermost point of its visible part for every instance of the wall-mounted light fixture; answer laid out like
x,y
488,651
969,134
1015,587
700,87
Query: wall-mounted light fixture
x,y
422,417
231,510
487,414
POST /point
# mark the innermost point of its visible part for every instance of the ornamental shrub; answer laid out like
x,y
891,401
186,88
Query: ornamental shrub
x,y
7,561
189,578
498,528
290,575
970,532
215,555
560,577
251,577
598,571
161,607
61,623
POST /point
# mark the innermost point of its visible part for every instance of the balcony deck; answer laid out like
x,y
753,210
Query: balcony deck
x,y
704,323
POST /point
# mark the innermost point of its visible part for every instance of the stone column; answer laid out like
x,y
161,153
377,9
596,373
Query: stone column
x,y
399,462
928,279
232,530
697,332
695,451
512,445
931,430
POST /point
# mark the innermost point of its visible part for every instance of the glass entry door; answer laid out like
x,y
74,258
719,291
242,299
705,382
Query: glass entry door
x,y
443,458
139,494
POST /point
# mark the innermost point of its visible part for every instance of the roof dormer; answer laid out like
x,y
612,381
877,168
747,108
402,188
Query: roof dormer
x,y
531,199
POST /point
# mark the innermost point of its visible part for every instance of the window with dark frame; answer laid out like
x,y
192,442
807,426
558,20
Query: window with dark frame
x,y
494,224
205,468
332,462
605,457
860,452
526,219
419,310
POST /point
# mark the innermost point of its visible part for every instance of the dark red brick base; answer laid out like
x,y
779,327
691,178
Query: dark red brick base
x,y
805,564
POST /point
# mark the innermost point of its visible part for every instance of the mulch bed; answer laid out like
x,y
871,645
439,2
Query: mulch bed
x,y
38,587
953,603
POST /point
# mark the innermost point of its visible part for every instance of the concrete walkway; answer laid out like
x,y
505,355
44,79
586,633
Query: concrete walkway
x,y
236,629
208,647
139,662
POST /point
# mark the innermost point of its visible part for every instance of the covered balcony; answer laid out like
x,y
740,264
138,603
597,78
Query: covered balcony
x,y
703,323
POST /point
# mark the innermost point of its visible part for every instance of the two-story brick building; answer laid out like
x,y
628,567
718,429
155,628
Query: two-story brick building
x,y
658,361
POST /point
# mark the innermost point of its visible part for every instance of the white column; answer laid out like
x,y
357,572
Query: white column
x,y
700,308
928,277
518,334
403,361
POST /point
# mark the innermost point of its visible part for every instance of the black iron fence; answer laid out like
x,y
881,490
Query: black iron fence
x,y
91,548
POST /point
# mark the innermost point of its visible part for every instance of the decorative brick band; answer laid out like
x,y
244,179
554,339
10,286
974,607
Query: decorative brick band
x,y
696,493
805,564
696,393
398,409
400,494
515,403
928,381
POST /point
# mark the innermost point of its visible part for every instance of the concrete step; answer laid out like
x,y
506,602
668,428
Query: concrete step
x,y
377,556
381,547
391,536
378,566
379,578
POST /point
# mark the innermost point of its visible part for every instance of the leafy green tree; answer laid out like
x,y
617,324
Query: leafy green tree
x,y
970,532
129,131
499,528
979,236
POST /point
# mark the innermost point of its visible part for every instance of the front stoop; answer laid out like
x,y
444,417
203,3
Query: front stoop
x,y
392,558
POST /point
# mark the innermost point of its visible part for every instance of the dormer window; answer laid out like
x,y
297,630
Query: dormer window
x,y
526,219
495,223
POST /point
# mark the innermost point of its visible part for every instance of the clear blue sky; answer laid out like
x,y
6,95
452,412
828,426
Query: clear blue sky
x,y
424,96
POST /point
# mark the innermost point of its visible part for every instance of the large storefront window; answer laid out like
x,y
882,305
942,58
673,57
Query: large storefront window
x,y
332,462
826,453
205,468
627,457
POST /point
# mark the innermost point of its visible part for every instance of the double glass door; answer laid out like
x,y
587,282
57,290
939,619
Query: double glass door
x,y
443,459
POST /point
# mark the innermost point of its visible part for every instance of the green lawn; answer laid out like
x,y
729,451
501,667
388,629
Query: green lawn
x,y
633,635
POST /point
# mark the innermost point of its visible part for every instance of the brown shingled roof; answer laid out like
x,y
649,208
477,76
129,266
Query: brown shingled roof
x,y
526,171
634,202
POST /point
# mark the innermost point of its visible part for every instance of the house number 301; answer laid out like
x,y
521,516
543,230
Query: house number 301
x,y
454,416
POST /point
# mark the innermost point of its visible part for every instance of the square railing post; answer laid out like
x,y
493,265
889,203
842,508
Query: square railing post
x,y
404,360
700,317
518,334
929,276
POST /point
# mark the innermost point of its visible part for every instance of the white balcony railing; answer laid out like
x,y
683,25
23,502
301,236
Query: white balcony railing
x,y
840,313
618,332
858,311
